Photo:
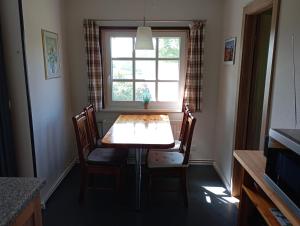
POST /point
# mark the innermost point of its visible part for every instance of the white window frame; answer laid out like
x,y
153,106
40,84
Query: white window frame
x,y
107,34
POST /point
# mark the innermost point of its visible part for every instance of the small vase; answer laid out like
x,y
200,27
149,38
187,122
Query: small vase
x,y
146,105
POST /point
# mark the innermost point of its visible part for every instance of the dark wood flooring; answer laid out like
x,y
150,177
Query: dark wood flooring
x,y
208,204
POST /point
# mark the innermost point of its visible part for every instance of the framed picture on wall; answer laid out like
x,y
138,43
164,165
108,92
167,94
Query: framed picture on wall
x,y
229,50
51,54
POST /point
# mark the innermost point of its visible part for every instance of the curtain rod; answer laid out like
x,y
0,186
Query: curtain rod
x,y
148,21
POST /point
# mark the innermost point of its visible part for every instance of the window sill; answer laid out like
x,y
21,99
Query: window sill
x,y
146,111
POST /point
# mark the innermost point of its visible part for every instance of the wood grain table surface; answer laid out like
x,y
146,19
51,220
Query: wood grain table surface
x,y
140,131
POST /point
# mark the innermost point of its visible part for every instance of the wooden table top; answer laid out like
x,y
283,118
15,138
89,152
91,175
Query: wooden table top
x,y
140,131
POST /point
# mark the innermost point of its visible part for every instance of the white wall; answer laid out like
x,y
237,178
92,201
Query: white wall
x,y
227,100
282,111
211,10
50,99
14,65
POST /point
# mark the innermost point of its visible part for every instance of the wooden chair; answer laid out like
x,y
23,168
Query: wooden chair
x,y
173,164
92,124
183,125
103,161
178,142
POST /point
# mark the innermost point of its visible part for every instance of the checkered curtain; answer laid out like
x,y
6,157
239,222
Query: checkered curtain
x,y
194,74
94,64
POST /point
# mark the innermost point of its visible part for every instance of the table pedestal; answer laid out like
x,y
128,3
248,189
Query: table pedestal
x,y
138,177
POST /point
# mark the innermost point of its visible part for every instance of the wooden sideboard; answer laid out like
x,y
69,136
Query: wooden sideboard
x,y
31,215
254,192
20,203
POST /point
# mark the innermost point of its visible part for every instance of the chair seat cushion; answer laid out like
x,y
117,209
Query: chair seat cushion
x,y
107,156
175,148
163,159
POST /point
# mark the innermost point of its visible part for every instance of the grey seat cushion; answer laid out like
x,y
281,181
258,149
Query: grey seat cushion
x,y
107,156
163,159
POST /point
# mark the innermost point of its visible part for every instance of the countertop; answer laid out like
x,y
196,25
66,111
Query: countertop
x,y
15,194
287,137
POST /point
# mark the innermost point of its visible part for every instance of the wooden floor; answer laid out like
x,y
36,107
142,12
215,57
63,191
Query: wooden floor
x,y
208,201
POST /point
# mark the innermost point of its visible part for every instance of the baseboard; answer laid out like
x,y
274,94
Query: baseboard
x,y
57,183
131,161
201,162
221,175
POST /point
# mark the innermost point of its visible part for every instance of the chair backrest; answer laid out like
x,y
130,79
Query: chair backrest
x,y
184,118
84,144
186,142
92,123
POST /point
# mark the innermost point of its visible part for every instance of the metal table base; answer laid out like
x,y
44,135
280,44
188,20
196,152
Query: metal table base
x,y
138,177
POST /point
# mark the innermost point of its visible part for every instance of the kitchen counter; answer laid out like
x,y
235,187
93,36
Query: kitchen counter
x,y
15,194
287,137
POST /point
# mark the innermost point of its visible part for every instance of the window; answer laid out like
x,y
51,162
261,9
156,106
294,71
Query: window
x,y
131,75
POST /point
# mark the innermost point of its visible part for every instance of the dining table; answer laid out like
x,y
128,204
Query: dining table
x,y
140,132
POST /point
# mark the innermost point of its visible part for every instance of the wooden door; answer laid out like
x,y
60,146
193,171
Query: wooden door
x,y
258,78
256,67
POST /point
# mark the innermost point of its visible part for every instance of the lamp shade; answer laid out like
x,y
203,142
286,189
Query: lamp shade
x,y
144,39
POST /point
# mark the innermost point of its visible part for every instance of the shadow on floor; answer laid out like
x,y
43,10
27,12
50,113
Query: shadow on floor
x,y
209,203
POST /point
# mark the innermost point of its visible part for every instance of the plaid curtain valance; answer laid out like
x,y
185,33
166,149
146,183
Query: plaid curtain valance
x,y
194,73
94,64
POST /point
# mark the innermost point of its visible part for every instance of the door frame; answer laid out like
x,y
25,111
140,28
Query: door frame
x,y
250,15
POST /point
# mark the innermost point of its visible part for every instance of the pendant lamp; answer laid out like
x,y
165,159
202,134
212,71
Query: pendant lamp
x,y
143,38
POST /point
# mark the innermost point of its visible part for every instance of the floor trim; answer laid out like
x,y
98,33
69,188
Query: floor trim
x,y
131,161
202,162
57,183
221,175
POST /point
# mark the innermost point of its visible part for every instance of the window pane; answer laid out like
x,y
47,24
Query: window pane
x,y
169,47
168,70
122,91
144,89
147,53
122,69
145,69
168,91
121,47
